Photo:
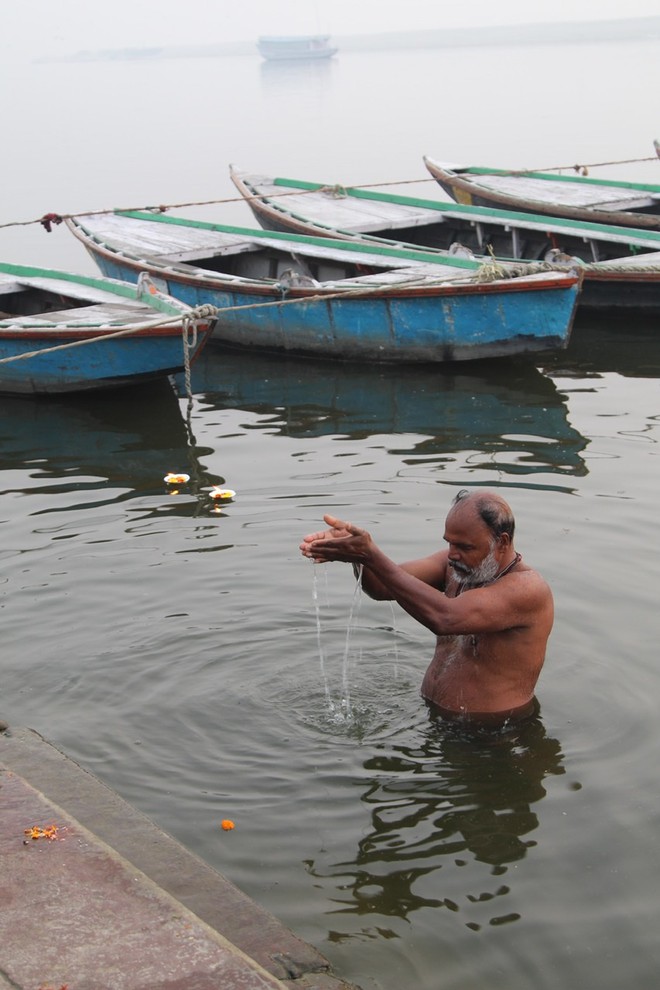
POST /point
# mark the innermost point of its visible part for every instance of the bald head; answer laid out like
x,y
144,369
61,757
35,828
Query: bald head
x,y
490,508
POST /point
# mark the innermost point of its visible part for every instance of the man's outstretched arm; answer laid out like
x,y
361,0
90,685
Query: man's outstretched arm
x,y
344,541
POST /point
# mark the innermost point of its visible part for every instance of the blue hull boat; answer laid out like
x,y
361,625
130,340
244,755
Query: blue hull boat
x,y
333,298
61,332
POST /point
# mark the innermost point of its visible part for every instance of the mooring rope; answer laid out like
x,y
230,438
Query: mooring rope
x,y
609,266
190,325
196,316
483,273
48,220
580,169
203,311
175,319
188,345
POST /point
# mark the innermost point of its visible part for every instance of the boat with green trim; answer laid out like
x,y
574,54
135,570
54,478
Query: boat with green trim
x,y
621,264
334,298
574,196
63,332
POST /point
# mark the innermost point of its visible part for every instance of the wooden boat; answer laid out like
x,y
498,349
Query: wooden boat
x,y
123,333
577,197
622,264
301,46
334,298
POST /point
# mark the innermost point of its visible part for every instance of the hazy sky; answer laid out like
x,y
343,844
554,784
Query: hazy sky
x,y
30,28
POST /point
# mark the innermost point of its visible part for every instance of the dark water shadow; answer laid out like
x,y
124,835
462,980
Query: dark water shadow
x,y
628,346
437,808
125,440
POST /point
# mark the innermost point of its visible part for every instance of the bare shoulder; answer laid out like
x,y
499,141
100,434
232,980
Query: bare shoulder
x,y
531,577
529,588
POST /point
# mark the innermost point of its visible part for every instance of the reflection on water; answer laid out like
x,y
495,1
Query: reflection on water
x,y
127,439
443,802
110,433
510,414
295,83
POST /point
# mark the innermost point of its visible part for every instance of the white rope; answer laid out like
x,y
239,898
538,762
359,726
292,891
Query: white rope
x,y
610,266
207,311
56,218
200,313
188,344
197,315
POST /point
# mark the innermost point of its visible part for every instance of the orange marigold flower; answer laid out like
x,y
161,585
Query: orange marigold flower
x,y
36,832
227,824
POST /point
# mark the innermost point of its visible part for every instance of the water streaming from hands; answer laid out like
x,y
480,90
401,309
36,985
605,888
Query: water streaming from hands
x,y
342,711
350,626
319,638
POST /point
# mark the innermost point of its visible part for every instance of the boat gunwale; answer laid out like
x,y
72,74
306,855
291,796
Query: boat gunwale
x,y
341,244
202,278
586,180
447,177
532,221
152,303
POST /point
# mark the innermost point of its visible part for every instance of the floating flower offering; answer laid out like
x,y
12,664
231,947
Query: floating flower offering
x,y
227,825
176,479
222,492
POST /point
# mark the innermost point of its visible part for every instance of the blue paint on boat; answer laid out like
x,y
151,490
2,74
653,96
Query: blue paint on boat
x,y
419,329
416,316
56,332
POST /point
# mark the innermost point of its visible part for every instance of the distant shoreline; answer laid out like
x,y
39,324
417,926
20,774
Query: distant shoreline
x,y
579,32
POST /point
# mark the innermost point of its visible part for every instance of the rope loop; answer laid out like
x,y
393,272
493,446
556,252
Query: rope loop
x,y
189,329
205,311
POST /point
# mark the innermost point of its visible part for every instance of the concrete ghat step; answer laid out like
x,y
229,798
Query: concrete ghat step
x,y
114,903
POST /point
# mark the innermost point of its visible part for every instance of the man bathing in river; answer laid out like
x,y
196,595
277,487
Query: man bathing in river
x,y
490,612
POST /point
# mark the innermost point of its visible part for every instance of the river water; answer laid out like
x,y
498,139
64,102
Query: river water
x,y
197,664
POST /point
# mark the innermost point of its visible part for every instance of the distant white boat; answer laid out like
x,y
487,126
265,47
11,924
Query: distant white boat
x,y
276,47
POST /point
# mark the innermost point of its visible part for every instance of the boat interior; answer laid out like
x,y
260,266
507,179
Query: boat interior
x,y
17,299
517,243
274,264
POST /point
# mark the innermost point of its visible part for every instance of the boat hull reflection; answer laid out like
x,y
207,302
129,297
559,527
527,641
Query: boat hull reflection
x,y
509,409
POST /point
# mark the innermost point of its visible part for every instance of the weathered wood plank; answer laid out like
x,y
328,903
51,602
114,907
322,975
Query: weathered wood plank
x,y
102,314
564,193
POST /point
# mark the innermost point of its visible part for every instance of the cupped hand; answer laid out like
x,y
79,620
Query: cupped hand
x,y
342,541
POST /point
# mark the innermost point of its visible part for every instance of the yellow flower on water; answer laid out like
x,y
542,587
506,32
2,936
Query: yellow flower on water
x,y
217,492
226,824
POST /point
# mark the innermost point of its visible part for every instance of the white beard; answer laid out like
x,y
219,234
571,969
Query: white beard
x,y
482,574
